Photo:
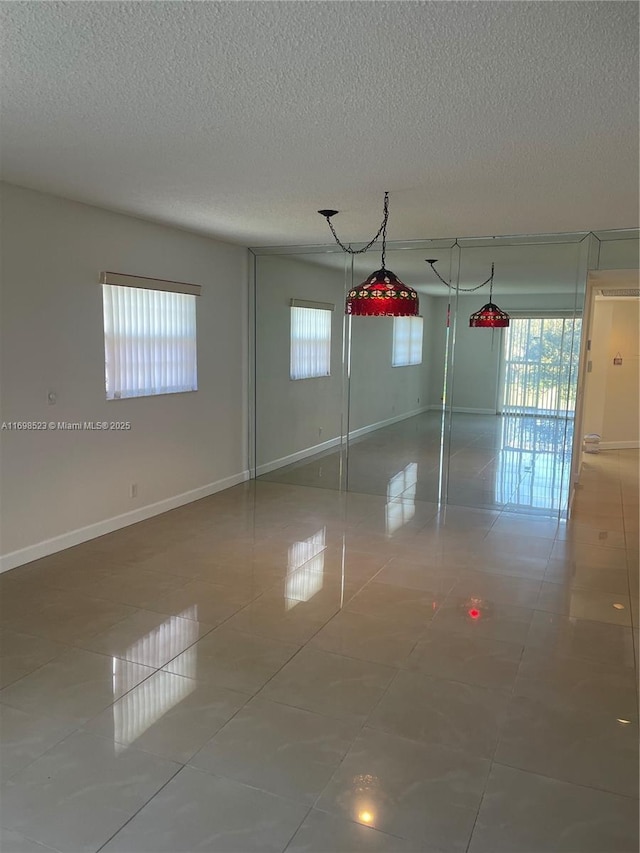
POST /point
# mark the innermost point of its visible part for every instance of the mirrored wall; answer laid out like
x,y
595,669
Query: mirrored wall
x,y
433,410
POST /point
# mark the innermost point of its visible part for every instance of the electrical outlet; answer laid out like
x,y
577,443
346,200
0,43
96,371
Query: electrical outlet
x,y
133,490
52,398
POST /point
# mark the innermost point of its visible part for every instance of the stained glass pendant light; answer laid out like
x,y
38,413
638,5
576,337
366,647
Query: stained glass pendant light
x,y
489,316
382,294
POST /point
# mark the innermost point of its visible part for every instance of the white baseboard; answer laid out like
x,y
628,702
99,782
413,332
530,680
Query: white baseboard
x,y
619,445
466,411
297,457
356,433
300,455
92,531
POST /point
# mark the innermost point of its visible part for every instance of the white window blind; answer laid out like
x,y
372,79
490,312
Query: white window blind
x,y
149,341
310,342
407,341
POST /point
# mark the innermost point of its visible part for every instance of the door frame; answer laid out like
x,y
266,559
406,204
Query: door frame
x,y
596,280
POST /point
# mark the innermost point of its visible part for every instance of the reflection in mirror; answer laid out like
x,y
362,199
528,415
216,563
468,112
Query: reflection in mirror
x,y
305,570
532,473
395,403
299,374
513,390
140,708
401,498
438,395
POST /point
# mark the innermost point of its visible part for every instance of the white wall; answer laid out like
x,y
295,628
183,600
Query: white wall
x,y
612,391
69,486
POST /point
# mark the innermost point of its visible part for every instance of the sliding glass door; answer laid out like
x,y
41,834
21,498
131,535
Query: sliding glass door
x,y
537,402
540,366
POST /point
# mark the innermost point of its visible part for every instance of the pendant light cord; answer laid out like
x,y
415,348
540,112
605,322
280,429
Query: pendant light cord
x,y
382,230
385,219
462,289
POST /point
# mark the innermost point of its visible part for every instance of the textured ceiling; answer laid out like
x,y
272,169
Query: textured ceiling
x,y
240,119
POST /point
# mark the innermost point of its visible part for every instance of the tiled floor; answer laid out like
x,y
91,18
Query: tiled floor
x,y
518,462
280,667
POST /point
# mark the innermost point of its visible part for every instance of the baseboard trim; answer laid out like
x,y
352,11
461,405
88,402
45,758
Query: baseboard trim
x,y
466,411
356,433
100,528
300,455
619,445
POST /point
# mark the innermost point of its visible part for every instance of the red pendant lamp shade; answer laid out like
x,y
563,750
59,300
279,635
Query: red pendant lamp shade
x,y
382,295
489,317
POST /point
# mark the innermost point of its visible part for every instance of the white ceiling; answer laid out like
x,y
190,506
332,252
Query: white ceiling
x,y
241,119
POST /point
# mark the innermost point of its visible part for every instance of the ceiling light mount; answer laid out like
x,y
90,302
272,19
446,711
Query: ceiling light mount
x,y
382,294
489,316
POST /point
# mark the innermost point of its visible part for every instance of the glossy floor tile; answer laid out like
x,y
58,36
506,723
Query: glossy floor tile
x,y
76,685
26,736
284,667
232,659
454,714
424,792
280,749
329,683
21,653
80,792
17,843
493,463
321,832
168,715
199,812
523,812
592,748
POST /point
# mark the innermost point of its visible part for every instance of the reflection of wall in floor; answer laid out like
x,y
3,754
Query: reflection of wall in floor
x,y
611,390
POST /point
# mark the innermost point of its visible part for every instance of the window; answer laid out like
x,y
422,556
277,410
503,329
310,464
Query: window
x,y
310,339
407,341
541,366
149,336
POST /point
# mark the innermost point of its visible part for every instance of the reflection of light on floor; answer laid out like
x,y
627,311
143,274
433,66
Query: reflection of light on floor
x,y
366,795
533,467
401,493
305,572
143,706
